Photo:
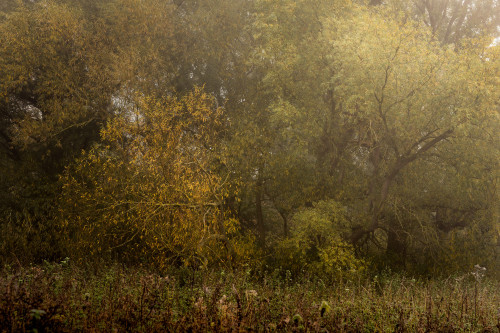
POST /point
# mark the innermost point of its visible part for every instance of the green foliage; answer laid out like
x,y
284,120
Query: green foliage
x,y
451,22
385,117
53,97
316,244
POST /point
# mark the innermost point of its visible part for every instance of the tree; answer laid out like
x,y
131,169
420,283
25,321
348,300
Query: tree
x,y
405,97
275,120
54,93
151,188
451,21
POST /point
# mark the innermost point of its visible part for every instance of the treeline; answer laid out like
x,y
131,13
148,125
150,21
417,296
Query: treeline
x,y
321,136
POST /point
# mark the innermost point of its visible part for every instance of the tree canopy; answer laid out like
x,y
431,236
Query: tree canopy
x,y
331,136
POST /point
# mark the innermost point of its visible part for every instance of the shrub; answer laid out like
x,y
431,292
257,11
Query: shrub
x,y
316,244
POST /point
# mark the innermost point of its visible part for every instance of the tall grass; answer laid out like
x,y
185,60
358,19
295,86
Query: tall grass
x,y
65,298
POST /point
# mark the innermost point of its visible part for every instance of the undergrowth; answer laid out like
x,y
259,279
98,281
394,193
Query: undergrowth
x,y
67,298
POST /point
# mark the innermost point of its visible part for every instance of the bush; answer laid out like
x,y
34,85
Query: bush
x,y
316,244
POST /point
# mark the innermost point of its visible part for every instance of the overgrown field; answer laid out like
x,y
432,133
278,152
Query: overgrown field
x,y
65,298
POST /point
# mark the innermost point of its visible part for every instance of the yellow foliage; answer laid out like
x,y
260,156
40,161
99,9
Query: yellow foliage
x,y
150,191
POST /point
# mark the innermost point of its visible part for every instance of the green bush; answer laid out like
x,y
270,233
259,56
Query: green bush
x,y
316,244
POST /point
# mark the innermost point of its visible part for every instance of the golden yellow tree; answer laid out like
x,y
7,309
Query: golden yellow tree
x,y
151,190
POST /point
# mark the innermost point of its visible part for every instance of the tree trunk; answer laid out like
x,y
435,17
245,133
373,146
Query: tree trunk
x,y
378,199
258,212
396,247
285,223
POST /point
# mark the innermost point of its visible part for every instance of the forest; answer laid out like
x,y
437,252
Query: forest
x,y
183,165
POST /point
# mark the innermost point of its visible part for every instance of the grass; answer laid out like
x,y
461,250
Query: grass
x,y
66,298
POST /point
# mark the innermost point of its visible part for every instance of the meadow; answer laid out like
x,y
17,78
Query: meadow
x,y
64,297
